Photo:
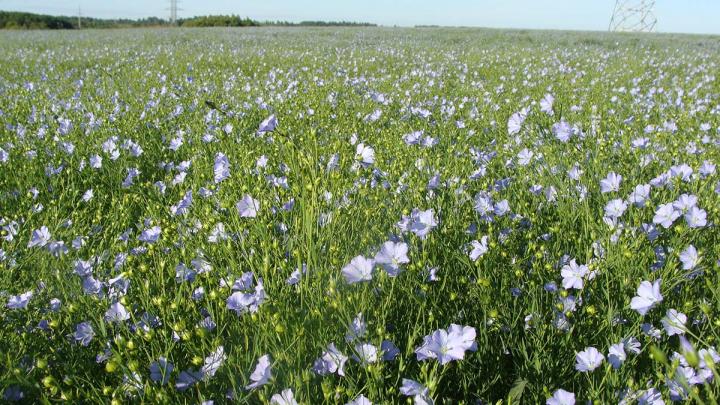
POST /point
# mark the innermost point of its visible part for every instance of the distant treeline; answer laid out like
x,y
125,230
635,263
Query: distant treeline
x,y
320,24
20,20
217,21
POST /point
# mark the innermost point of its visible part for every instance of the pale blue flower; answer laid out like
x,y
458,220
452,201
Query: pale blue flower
x,y
665,215
525,157
588,360
422,222
690,258
183,206
683,171
391,256
95,161
150,235
617,355
357,329
176,143
242,302
674,322
562,131
651,397
610,183
132,174
117,313
160,371
286,397
20,301
420,394
366,353
84,333
515,122
696,217
262,373
40,237
332,361
83,268
707,169
268,125
187,379
221,168
447,345
615,208
213,362
573,275
248,207
479,248
546,104
648,295
389,350
361,400
359,269
685,202
365,154
501,208
640,195
561,397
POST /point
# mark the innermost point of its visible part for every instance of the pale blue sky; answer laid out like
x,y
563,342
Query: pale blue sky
x,y
696,16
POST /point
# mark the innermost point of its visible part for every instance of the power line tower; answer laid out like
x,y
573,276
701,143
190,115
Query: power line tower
x,y
633,16
173,11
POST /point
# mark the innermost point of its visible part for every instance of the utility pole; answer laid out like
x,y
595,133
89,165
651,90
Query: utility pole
x,y
79,18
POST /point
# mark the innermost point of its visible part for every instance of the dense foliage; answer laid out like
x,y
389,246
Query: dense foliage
x,y
326,216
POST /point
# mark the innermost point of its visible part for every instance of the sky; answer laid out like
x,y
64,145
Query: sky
x,y
691,16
